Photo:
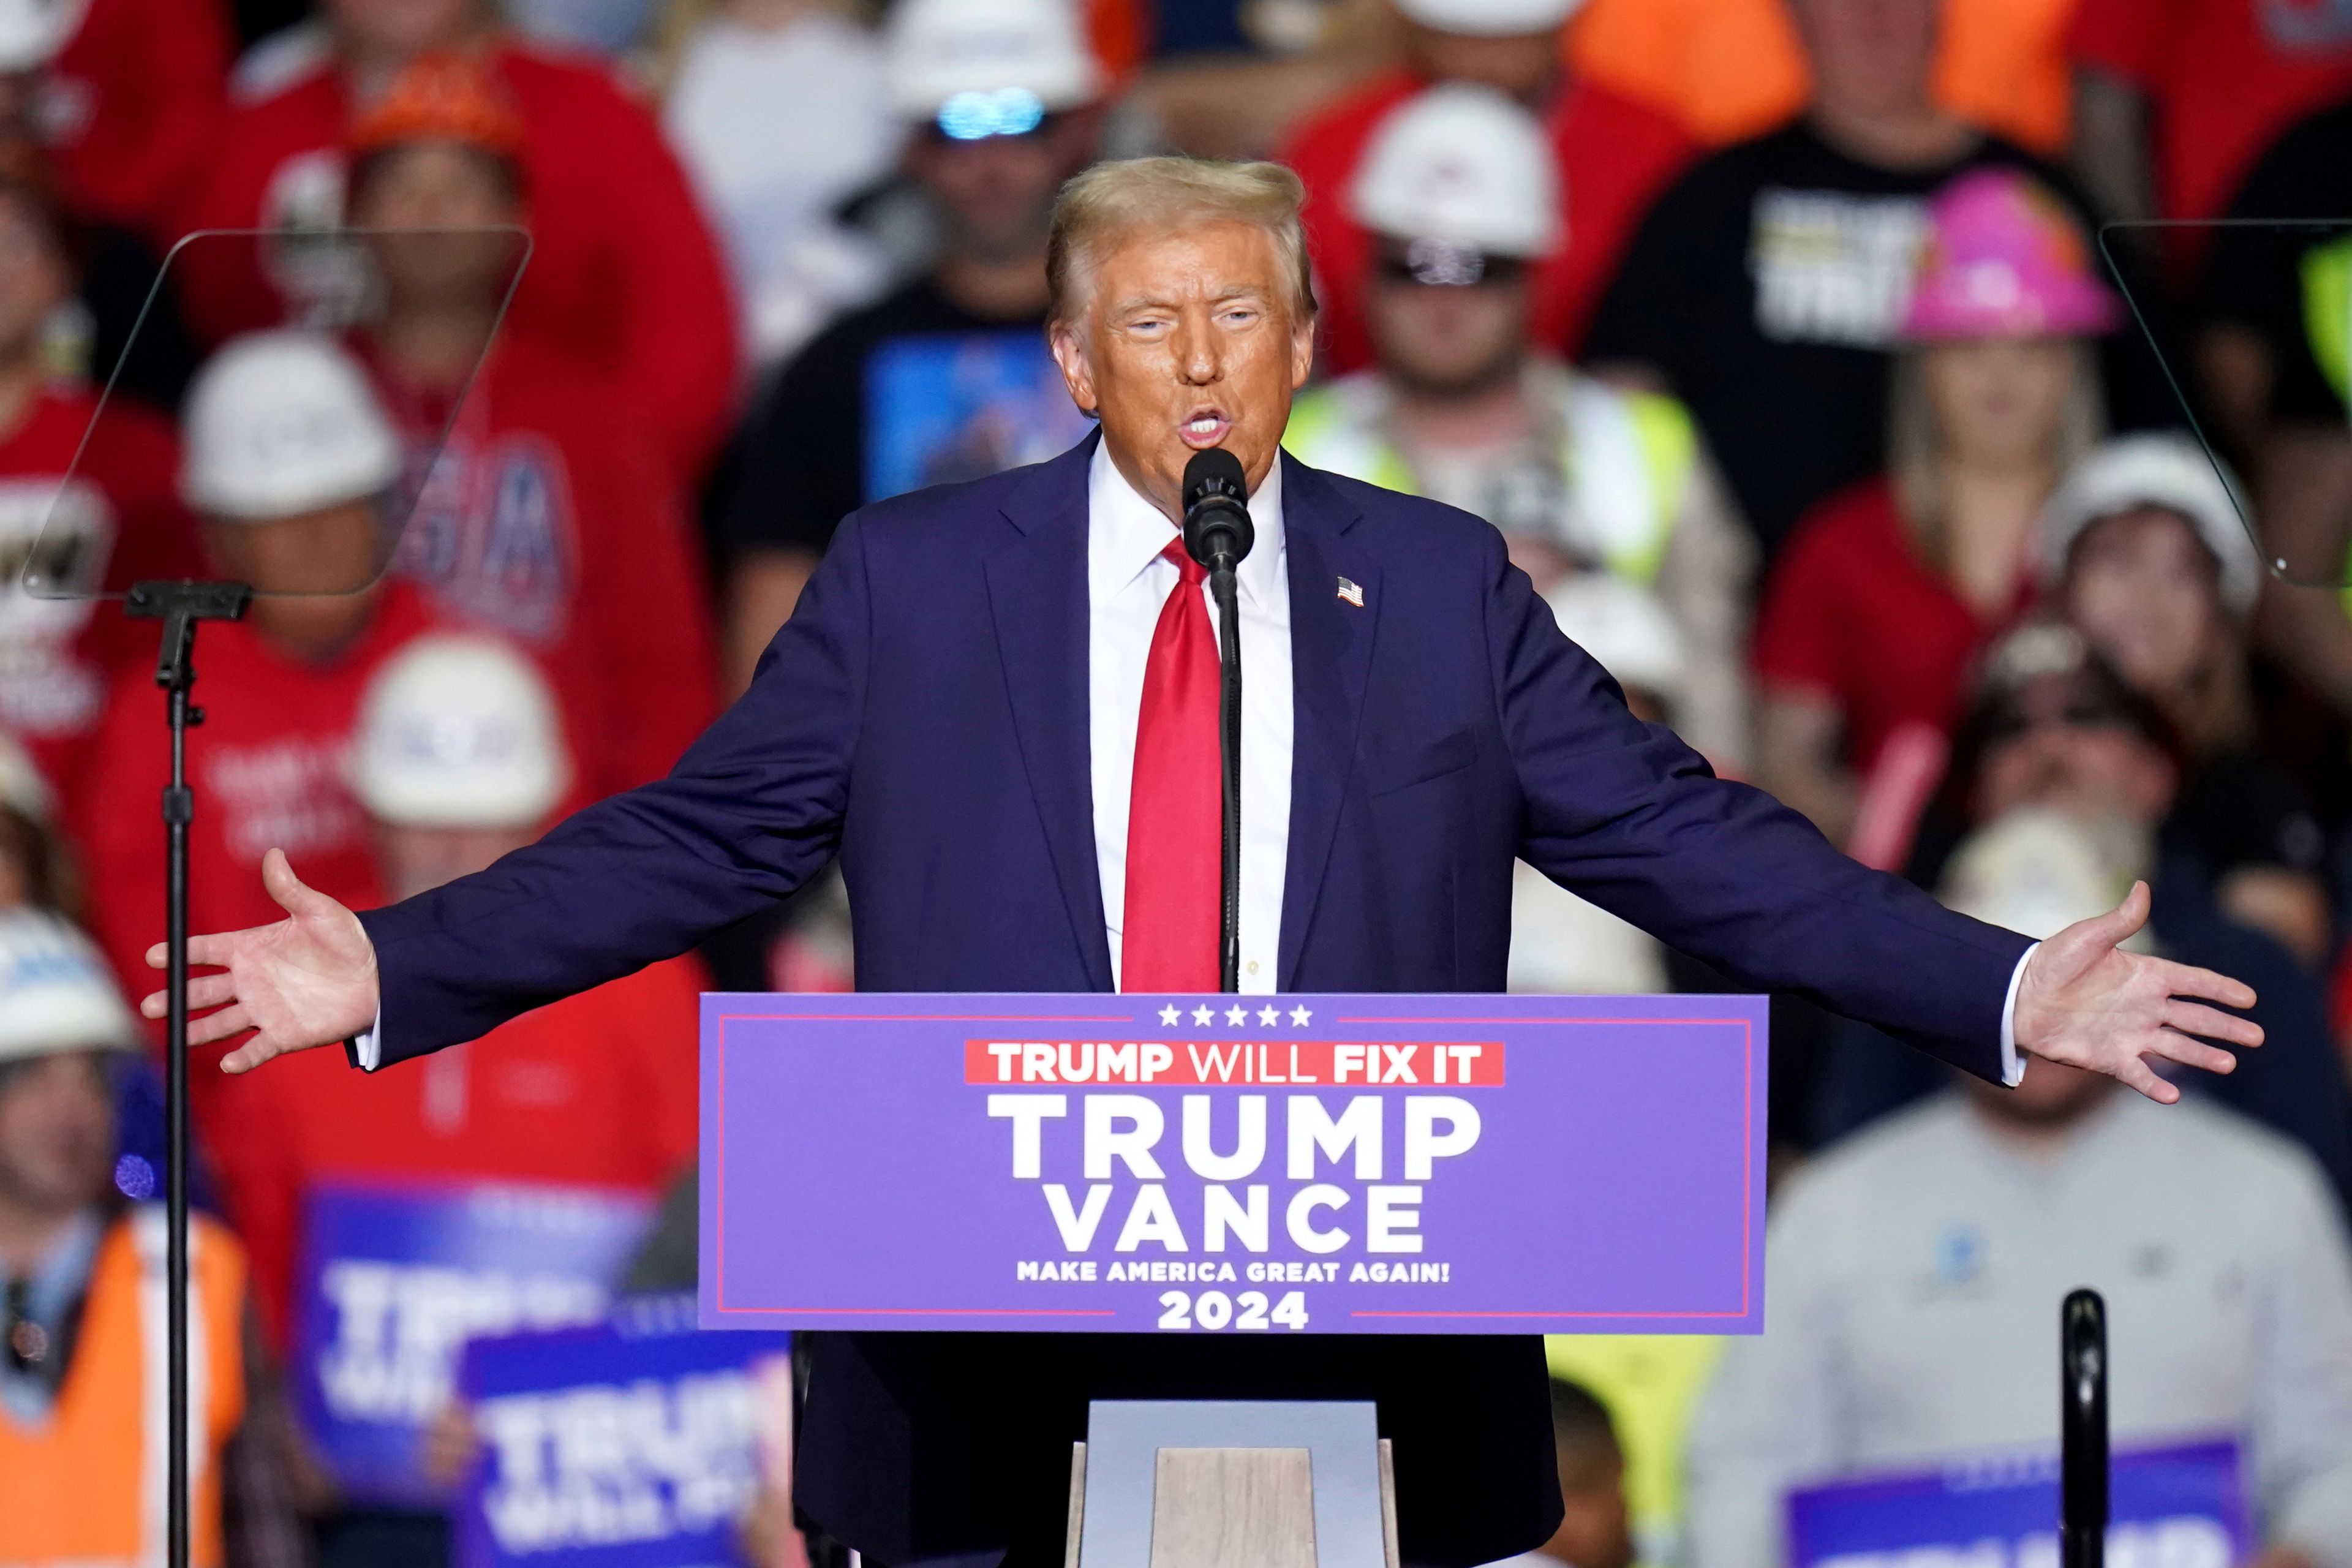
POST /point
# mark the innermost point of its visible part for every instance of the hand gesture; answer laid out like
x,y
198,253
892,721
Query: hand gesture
x,y
2086,1003
308,979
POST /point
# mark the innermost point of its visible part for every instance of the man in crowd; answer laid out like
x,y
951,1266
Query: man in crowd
x,y
117,520
1459,192
996,704
1612,154
82,1286
625,279
457,756
1914,1274
287,456
947,378
545,516
1766,286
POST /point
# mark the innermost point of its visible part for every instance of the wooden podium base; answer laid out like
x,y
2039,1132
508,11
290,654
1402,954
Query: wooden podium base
x,y
1238,1506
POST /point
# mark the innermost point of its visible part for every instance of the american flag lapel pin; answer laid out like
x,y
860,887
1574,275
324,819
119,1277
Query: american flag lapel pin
x,y
1352,593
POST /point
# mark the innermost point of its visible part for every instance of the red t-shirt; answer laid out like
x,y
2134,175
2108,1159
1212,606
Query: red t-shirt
x,y
1851,613
119,520
267,769
624,278
599,1089
547,519
129,106
1614,154
2226,76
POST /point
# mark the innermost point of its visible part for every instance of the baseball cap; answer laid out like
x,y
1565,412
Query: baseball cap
x,y
55,991
1462,167
2159,470
984,67
459,730
439,97
1489,19
283,421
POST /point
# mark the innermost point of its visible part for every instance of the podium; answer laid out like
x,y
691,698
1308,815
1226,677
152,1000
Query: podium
x,y
1239,1167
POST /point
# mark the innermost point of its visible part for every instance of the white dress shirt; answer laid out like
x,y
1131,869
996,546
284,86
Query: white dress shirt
x,y
1127,582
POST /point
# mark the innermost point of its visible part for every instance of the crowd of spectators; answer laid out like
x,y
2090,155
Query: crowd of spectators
x,y
528,356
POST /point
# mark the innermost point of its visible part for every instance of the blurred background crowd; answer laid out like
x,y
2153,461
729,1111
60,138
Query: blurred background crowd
x,y
1780,338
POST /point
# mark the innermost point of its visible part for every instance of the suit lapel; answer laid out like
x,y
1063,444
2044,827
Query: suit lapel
x,y
1331,659
1037,596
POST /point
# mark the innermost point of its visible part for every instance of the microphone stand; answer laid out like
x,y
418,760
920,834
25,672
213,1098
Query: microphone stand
x,y
2082,1426
1229,737
180,606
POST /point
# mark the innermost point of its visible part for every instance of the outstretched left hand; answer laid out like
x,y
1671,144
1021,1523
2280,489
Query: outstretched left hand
x,y
2086,1003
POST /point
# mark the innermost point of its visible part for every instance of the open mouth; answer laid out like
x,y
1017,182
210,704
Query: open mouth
x,y
1204,428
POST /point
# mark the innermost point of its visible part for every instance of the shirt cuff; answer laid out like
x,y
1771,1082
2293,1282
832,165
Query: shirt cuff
x,y
2013,1065
367,1049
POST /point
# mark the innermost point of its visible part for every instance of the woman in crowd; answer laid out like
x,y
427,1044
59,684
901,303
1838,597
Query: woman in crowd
x,y
1885,594
2143,550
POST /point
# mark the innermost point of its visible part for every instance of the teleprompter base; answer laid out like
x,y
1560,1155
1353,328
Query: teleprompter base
x,y
1232,1484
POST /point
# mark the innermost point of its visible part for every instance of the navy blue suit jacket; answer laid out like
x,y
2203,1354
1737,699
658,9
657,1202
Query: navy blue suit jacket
x,y
924,715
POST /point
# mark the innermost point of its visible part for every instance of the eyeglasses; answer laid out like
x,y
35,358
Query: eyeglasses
x,y
1434,264
976,116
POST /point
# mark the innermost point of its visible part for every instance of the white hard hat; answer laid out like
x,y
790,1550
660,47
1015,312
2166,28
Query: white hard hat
x,y
1625,627
1489,19
459,730
986,52
23,789
1461,165
55,991
2162,471
2038,871
33,31
281,423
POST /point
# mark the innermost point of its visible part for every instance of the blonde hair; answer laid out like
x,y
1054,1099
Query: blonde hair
x,y
1915,456
1119,200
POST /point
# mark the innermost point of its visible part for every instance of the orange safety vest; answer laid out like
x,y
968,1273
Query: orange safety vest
x,y
87,1486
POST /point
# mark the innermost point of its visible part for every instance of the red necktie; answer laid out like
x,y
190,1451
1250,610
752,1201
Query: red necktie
x,y
1175,819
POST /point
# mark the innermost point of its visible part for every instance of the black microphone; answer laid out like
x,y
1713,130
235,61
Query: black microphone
x,y
1217,529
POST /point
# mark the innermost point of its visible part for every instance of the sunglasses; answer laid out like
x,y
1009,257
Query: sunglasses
x,y
1433,264
977,116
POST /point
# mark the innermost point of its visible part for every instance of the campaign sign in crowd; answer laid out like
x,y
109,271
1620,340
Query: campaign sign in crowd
x,y
633,1443
397,1277
2169,1507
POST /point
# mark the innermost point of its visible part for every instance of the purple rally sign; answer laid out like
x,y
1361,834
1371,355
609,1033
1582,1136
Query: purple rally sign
x,y
1317,1163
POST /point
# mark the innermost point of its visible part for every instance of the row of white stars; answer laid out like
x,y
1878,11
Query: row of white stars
x,y
1206,1014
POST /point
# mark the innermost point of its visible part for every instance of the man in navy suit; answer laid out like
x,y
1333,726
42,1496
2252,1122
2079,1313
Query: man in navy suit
x,y
996,704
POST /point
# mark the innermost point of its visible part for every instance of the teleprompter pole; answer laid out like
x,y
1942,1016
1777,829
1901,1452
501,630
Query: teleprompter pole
x,y
180,606
2083,1428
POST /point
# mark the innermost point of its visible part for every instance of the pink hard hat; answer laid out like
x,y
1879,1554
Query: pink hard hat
x,y
2004,258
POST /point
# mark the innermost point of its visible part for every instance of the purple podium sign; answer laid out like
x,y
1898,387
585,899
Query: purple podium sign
x,y
1309,1164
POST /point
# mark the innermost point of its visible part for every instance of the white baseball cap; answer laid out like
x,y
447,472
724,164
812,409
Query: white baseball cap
x,y
2038,871
995,59
281,423
1464,167
1489,19
2161,470
459,730
1625,627
55,991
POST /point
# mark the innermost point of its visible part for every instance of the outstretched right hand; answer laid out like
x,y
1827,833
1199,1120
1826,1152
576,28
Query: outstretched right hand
x,y
308,979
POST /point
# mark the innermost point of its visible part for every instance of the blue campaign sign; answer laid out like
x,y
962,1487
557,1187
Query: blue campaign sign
x,y
636,1444
396,1278
2169,1507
